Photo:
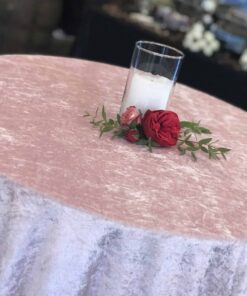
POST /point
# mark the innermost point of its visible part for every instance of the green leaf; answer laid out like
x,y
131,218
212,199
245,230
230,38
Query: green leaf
x,y
111,121
187,131
223,155
223,150
150,145
205,141
96,113
105,130
182,151
190,144
193,156
133,125
212,152
205,130
187,138
104,113
119,133
204,149
86,114
119,119
194,127
97,123
187,124
192,149
154,144
142,142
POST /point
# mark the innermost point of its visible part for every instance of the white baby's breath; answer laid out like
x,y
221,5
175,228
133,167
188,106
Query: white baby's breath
x,y
209,36
209,6
198,39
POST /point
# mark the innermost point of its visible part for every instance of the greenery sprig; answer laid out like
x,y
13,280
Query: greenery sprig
x,y
190,141
105,124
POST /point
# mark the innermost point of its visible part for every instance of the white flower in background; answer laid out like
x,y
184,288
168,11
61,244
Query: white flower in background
x,y
207,19
209,5
209,36
198,30
243,60
198,39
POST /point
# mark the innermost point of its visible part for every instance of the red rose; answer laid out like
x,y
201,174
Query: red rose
x,y
131,114
161,126
132,135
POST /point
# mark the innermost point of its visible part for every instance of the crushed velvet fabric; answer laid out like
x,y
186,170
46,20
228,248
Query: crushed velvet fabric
x,y
47,145
107,218
50,249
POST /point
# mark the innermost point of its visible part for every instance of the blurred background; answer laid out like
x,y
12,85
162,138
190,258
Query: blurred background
x,y
212,34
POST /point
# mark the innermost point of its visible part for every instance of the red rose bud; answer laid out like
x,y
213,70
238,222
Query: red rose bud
x,y
131,114
132,135
161,126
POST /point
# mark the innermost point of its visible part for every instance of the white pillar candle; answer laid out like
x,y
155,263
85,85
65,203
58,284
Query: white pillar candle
x,y
146,91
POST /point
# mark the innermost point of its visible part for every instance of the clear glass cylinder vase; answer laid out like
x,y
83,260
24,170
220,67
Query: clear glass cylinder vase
x,y
152,76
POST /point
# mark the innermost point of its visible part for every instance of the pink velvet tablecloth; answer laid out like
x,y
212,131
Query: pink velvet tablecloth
x,y
81,215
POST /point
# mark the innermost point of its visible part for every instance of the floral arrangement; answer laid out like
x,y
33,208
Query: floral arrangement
x,y
159,128
198,39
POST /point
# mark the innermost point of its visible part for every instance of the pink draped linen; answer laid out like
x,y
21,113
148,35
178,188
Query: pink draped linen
x,y
47,146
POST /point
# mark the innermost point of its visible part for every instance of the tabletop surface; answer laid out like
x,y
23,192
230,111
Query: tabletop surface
x,y
48,146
